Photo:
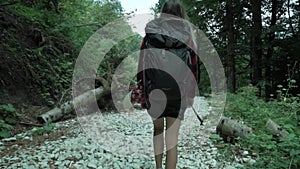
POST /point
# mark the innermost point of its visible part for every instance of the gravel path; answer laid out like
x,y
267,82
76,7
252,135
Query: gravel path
x,y
112,141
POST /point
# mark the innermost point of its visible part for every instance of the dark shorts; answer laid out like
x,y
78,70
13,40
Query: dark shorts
x,y
158,108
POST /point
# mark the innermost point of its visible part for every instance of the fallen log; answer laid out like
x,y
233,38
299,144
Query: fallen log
x,y
58,112
230,129
278,133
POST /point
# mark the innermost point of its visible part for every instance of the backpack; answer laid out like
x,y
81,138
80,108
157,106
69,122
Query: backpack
x,y
166,64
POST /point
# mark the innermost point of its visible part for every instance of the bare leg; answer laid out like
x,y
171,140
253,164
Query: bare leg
x,y
158,141
173,125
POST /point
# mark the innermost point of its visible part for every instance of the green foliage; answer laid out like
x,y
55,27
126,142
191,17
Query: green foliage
x,y
47,128
9,115
53,73
283,93
216,137
29,13
255,112
50,64
8,108
81,18
126,48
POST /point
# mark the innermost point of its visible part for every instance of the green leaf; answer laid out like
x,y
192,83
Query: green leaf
x,y
2,122
49,127
6,126
215,137
38,131
294,152
289,126
11,120
9,108
4,134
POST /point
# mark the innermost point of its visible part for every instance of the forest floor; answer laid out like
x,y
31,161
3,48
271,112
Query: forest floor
x,y
72,144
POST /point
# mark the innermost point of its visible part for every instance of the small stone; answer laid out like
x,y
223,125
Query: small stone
x,y
213,163
56,155
252,161
239,166
77,156
28,166
246,160
57,163
15,146
67,163
63,137
14,158
245,153
27,138
52,156
9,139
214,149
98,155
91,165
34,129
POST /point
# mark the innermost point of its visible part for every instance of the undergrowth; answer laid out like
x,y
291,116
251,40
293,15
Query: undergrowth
x,y
255,112
8,119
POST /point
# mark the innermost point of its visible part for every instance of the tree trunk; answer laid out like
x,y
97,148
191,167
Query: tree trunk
x,y
256,44
268,63
230,69
230,129
68,107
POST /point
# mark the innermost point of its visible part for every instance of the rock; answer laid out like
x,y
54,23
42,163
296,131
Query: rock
x,y
11,139
214,149
57,163
77,156
92,166
245,153
51,156
252,161
15,146
98,155
63,137
27,138
246,160
213,163
239,166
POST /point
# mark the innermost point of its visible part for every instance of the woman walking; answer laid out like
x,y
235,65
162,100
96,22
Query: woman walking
x,y
167,87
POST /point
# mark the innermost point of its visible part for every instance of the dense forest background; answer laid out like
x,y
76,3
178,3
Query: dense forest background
x,y
258,42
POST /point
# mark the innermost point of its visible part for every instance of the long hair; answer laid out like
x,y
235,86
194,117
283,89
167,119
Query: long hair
x,y
174,7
